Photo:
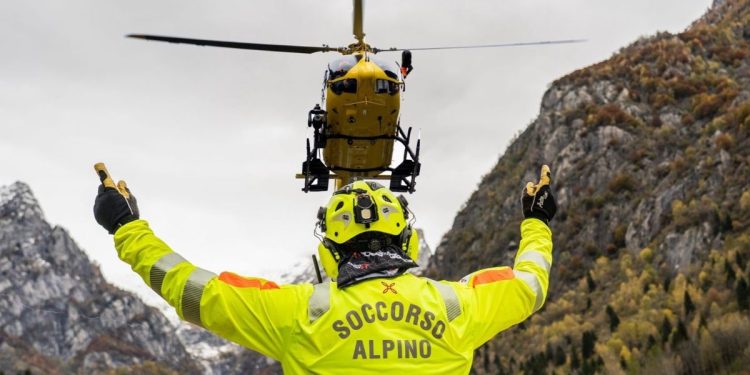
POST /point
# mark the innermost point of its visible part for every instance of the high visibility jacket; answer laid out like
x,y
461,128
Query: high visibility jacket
x,y
405,324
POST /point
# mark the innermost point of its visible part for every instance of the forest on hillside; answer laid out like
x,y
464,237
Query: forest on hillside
x,y
651,162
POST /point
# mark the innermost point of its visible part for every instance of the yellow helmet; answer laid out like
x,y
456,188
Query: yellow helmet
x,y
363,207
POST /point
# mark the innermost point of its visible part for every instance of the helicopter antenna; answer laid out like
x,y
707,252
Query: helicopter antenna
x,y
323,90
359,32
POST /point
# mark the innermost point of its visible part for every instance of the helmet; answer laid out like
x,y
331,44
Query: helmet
x,y
363,208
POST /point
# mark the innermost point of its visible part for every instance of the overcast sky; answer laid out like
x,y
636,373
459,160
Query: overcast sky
x,y
209,139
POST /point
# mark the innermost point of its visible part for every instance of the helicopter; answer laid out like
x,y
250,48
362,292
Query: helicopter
x,y
357,122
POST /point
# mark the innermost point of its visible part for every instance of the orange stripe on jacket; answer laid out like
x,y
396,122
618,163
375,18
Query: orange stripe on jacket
x,y
490,276
246,282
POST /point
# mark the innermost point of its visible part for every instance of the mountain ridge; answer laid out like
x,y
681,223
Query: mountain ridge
x,y
59,315
56,303
650,164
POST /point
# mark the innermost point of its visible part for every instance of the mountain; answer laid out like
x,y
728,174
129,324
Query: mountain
x,y
650,157
58,314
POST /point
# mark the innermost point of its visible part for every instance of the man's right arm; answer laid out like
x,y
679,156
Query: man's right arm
x,y
501,297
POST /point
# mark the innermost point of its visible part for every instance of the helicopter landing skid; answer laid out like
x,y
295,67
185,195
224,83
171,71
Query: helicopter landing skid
x,y
402,178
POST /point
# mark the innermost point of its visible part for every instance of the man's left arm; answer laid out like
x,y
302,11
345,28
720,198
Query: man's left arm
x,y
253,312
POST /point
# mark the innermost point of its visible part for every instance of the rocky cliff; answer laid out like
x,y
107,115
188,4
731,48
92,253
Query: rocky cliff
x,y
650,157
58,315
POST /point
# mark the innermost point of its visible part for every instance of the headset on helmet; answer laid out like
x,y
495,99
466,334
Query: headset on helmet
x,y
358,208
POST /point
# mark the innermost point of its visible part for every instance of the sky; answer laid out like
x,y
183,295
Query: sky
x,y
209,139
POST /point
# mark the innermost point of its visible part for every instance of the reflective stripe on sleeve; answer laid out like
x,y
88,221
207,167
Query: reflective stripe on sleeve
x,y
452,304
160,268
535,257
191,295
320,301
533,283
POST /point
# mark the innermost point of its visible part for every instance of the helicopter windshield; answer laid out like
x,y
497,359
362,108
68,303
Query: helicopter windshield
x,y
348,85
384,86
339,67
390,69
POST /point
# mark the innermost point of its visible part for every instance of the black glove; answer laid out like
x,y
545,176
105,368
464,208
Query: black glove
x,y
537,200
115,207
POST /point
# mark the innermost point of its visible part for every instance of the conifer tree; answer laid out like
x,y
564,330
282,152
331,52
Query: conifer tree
x,y
666,283
587,369
549,353
680,334
687,303
666,330
575,363
559,356
587,348
729,270
614,320
743,295
498,365
590,282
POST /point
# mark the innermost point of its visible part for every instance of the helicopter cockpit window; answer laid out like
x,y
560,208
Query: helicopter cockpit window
x,y
384,86
348,85
390,69
339,67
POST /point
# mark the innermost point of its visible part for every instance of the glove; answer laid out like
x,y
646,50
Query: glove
x,y
537,200
114,206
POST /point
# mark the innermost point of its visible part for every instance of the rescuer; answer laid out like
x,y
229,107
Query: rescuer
x,y
371,317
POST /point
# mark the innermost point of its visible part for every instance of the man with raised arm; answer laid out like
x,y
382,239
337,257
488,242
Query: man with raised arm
x,y
371,317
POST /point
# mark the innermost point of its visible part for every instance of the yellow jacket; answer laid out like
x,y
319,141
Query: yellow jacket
x,y
406,324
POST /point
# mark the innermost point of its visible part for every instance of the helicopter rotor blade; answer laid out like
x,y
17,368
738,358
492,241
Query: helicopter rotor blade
x,y
238,45
358,21
521,44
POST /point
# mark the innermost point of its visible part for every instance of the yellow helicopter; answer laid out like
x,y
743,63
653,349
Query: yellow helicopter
x,y
360,123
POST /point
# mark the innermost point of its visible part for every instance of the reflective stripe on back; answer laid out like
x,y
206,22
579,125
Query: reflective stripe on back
x,y
160,268
320,301
452,304
191,295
